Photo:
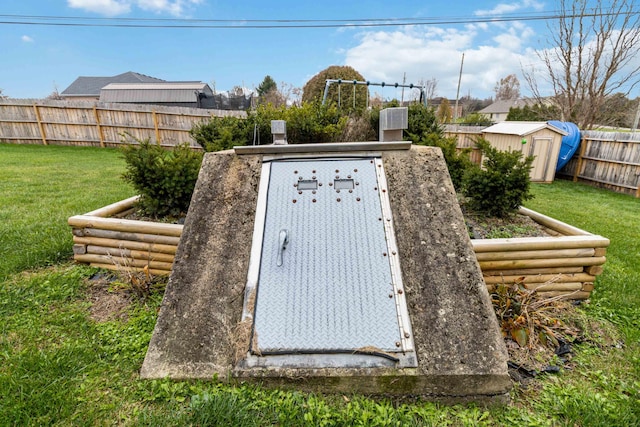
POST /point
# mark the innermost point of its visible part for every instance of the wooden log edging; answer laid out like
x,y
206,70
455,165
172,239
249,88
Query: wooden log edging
x,y
102,239
566,264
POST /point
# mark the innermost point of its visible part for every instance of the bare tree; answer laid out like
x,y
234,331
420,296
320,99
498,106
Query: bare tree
x,y
55,95
3,96
429,87
594,55
290,94
507,88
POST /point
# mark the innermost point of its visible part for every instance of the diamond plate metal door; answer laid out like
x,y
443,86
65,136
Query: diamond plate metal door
x,y
325,281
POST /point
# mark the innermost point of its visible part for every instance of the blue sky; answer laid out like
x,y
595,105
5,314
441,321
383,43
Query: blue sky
x,y
38,59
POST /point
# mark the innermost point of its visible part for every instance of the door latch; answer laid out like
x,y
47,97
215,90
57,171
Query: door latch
x,y
283,241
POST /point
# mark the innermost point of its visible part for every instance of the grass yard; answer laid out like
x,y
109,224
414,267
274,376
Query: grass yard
x,y
59,366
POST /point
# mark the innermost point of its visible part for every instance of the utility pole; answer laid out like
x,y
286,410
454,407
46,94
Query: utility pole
x,y
455,113
404,81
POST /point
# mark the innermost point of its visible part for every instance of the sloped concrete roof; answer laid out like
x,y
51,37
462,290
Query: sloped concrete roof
x,y
200,332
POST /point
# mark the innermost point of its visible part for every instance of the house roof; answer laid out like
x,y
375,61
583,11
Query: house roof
x,y
521,128
165,92
90,86
503,106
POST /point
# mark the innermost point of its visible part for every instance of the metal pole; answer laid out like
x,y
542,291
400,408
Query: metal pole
x,y
455,113
326,91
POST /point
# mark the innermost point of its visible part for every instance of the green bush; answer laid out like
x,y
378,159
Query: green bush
x,y
423,129
502,185
422,121
222,133
307,123
165,179
313,122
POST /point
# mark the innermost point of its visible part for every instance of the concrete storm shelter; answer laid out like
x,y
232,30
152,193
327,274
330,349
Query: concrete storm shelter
x,y
330,268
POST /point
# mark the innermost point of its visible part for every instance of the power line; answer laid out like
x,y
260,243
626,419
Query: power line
x,y
181,23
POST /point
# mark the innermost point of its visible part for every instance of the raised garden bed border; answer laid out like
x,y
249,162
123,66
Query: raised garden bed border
x,y
566,264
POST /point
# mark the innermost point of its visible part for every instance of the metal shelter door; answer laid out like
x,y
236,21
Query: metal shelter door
x,y
325,283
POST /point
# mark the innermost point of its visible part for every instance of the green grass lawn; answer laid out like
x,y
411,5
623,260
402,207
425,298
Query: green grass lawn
x,y
60,367
40,187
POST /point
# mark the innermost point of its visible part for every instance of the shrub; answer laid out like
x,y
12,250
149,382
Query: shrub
x,y
502,185
421,121
306,123
423,129
313,122
165,179
222,133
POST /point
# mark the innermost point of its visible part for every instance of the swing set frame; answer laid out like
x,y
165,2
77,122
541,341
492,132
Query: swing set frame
x,y
355,83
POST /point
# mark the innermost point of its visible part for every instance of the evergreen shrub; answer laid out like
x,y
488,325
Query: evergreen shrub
x,y
164,178
502,185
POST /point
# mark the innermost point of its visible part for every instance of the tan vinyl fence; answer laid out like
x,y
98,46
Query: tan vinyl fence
x,y
52,122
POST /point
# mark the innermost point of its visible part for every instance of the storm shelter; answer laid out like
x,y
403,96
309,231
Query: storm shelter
x,y
341,268
326,265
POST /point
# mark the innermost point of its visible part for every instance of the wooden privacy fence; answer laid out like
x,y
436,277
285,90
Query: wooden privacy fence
x,y
466,137
98,124
607,159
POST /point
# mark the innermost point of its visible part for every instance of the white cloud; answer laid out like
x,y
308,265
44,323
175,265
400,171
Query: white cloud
x,y
504,8
103,7
120,7
176,7
27,39
430,52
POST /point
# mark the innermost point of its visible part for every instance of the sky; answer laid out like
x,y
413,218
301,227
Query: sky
x,y
38,59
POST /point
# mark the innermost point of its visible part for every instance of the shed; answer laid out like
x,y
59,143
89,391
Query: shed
x,y
183,94
538,139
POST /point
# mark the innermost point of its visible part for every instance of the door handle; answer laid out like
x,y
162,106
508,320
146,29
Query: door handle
x,y
283,240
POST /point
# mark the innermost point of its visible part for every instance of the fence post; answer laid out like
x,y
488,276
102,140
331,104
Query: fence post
x,y
583,147
43,135
100,132
155,126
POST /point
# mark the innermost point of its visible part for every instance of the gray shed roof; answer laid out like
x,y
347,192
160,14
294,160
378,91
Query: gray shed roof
x,y
521,128
90,86
165,92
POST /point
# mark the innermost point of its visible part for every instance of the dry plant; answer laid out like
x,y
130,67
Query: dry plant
x,y
528,318
139,280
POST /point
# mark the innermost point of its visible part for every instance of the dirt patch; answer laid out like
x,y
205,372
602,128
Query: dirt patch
x,y
138,215
107,302
515,225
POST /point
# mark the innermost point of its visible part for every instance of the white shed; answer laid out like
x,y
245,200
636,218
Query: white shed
x,y
538,139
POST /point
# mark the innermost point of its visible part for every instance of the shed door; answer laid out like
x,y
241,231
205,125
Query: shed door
x,y
325,282
541,149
